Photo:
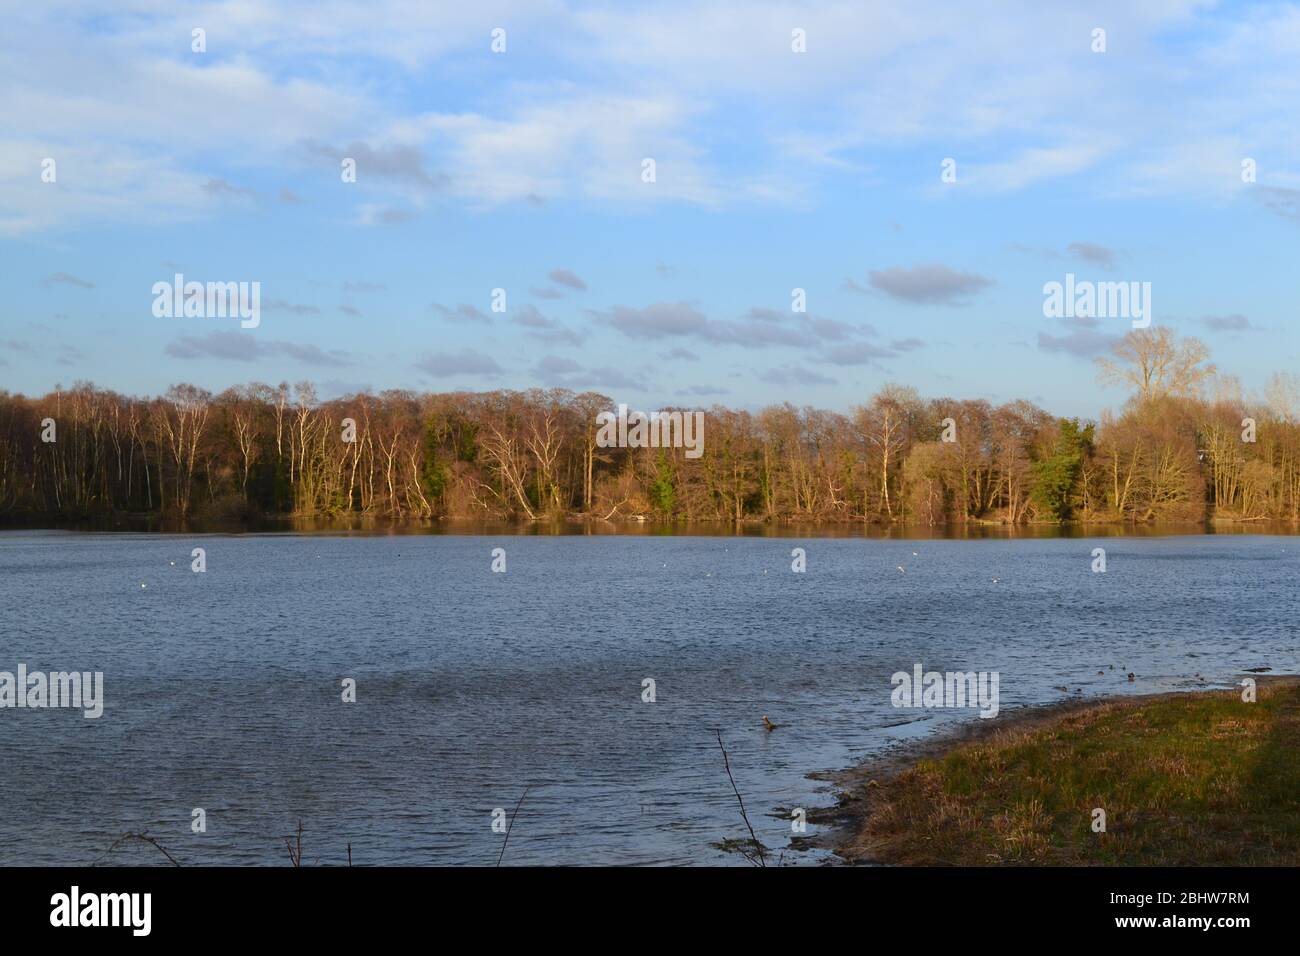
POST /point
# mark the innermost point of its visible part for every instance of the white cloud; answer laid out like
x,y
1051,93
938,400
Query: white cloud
x,y
709,89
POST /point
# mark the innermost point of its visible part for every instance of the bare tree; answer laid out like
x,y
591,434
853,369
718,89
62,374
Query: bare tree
x,y
1156,363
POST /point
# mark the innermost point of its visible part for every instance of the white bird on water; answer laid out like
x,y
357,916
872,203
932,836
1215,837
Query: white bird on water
x,y
902,570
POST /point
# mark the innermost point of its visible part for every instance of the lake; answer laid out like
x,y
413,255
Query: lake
x,y
223,689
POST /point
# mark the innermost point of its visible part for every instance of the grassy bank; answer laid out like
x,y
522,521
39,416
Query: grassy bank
x,y
1191,779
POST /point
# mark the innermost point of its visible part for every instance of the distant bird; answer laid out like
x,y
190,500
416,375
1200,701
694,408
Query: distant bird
x,y
1061,689
769,725
1100,673
173,564
143,585
995,580
1131,677
902,570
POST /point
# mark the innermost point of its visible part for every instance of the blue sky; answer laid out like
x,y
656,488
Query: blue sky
x,y
522,170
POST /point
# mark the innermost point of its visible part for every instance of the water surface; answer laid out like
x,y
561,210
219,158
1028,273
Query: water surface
x,y
223,688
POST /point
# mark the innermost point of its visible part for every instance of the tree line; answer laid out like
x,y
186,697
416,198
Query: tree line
x,y
1185,447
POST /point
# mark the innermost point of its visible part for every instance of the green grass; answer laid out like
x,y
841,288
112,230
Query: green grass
x,y
1193,779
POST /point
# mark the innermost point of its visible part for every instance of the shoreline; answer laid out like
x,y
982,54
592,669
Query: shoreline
x,y
842,826
579,526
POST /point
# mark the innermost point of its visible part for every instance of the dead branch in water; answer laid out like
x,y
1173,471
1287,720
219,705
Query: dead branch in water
x,y
143,838
295,858
758,846
510,826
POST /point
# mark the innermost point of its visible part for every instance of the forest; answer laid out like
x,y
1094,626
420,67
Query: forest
x,y
1187,446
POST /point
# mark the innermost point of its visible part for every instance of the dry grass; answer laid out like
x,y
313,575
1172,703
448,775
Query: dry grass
x,y
1188,779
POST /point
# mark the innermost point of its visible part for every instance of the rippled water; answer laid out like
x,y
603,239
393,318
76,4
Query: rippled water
x,y
223,688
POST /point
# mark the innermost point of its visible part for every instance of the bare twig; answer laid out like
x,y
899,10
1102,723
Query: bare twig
x,y
142,837
295,857
758,847
349,854
510,825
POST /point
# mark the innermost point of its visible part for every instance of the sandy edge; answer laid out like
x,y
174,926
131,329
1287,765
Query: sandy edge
x,y
840,825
